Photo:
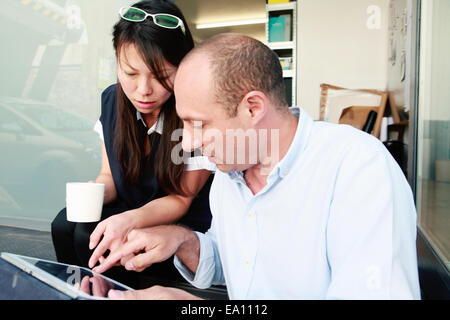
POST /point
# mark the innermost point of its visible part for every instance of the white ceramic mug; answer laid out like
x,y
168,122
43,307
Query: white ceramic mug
x,y
84,201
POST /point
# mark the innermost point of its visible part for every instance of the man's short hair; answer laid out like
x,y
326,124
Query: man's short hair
x,y
241,64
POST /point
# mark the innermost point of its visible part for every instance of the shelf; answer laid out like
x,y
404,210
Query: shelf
x,y
281,6
284,49
281,45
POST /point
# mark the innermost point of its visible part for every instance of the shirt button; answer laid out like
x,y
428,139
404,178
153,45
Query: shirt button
x,y
250,215
247,263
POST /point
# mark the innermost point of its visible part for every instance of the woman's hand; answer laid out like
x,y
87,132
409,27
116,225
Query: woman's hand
x,y
114,230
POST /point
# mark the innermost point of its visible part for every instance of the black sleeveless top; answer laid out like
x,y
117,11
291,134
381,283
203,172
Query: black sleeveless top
x,y
147,189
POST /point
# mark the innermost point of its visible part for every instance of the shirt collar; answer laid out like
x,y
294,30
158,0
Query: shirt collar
x,y
157,127
298,144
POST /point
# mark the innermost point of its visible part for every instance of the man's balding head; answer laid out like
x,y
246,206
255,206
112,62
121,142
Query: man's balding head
x,y
238,64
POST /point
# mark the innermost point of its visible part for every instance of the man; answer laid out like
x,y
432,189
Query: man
x,y
316,211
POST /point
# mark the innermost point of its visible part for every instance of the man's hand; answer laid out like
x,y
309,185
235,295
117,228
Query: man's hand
x,y
152,293
99,286
109,235
144,247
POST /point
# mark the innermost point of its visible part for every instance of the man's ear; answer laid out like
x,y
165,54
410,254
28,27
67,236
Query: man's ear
x,y
255,105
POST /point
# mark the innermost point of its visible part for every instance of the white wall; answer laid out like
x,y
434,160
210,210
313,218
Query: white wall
x,y
336,46
399,52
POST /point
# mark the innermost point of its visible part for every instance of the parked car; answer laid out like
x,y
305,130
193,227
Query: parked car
x,y
43,147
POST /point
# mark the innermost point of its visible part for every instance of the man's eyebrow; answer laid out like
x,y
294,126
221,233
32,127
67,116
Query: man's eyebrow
x,y
188,119
170,71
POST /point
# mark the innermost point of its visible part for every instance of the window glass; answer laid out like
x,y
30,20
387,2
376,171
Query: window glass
x,y
12,123
56,59
433,174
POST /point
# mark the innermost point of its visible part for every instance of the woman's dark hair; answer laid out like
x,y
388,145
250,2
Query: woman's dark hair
x,y
156,45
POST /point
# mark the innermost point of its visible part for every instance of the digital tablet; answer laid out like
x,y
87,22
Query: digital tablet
x,y
74,281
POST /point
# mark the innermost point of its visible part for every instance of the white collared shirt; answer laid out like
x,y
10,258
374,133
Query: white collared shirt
x,y
336,220
157,126
193,163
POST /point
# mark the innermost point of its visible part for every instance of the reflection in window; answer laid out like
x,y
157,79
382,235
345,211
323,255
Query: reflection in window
x,y
53,118
11,122
433,176
56,61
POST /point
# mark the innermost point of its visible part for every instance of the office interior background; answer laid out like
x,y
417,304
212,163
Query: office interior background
x,y
57,57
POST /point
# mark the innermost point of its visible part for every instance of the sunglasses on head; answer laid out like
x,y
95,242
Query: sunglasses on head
x,y
163,20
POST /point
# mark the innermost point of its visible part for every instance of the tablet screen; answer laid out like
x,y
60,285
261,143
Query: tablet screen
x,y
77,278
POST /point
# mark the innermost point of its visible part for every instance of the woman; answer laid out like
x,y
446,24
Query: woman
x,y
143,186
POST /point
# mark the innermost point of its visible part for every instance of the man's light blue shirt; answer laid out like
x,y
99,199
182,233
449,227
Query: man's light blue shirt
x,y
336,220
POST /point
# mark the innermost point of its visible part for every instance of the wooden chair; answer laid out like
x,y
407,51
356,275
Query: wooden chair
x,y
335,100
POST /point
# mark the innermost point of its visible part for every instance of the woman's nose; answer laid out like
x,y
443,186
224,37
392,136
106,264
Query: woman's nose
x,y
145,86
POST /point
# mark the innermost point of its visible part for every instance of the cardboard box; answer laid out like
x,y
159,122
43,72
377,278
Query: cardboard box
x,y
356,116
